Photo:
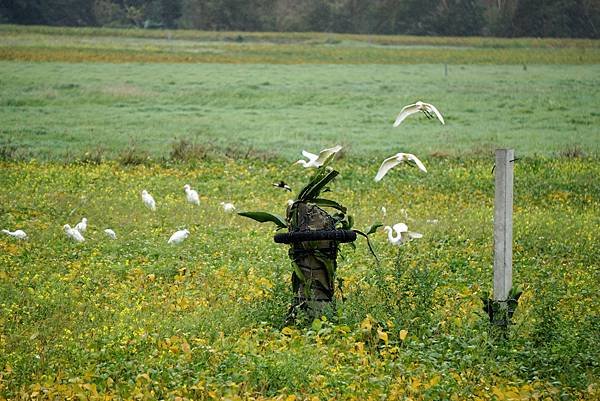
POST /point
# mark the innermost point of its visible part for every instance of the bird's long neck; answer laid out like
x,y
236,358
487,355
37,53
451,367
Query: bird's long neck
x,y
6,232
391,236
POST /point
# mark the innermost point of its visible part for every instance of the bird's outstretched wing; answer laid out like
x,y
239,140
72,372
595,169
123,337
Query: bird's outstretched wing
x,y
405,112
393,161
309,156
432,108
325,153
400,228
415,159
386,166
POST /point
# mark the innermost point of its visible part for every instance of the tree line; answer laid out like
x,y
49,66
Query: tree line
x,y
504,18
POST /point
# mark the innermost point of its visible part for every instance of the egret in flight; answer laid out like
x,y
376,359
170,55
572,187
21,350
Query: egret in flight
x,y
148,200
400,234
428,109
317,160
19,234
393,161
73,233
191,195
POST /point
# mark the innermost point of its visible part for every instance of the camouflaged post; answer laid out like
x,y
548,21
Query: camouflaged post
x,y
314,261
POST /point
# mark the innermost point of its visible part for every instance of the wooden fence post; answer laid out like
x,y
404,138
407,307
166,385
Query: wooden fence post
x,y
503,224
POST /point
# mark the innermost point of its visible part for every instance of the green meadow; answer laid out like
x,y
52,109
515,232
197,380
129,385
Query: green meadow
x,y
90,117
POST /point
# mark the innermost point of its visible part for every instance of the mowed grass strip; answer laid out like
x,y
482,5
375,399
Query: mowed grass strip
x,y
97,45
63,110
138,318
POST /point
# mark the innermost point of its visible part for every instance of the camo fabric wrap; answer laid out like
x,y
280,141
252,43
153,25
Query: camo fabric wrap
x,y
314,262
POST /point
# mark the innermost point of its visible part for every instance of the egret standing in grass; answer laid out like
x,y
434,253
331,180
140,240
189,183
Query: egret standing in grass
x,y
228,207
110,233
398,234
148,200
191,195
178,236
82,225
18,234
393,161
317,160
428,109
73,233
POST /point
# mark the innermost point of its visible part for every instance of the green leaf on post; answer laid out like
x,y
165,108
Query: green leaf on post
x,y
263,217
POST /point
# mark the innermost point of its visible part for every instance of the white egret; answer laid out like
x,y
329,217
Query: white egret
x,y
73,233
393,161
428,109
317,160
178,236
191,195
228,207
82,225
400,234
19,234
148,200
111,233
383,211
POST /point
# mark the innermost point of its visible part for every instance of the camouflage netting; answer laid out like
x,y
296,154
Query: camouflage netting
x,y
314,261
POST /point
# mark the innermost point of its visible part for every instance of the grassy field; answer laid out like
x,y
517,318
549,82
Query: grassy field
x,y
109,113
57,110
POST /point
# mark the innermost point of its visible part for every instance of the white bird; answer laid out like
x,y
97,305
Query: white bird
x,y
148,200
111,233
383,211
393,161
228,207
428,109
73,233
400,234
19,234
82,225
178,236
317,160
191,195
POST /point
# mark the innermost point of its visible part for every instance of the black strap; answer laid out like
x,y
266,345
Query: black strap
x,y
318,235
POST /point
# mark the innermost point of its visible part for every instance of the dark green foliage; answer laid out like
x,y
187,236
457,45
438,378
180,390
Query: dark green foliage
x,y
554,18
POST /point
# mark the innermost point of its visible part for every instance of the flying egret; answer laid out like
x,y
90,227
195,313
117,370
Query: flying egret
x,y
428,109
73,233
191,195
400,234
282,185
19,234
317,160
148,200
393,161
110,233
178,236
228,207
82,225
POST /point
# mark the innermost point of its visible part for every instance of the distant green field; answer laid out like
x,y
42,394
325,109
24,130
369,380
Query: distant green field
x,y
57,110
271,94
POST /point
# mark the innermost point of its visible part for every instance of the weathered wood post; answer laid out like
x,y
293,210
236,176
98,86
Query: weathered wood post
x,y
503,224
504,300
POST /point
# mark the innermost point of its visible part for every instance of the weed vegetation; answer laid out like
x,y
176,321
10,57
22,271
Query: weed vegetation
x,y
135,317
